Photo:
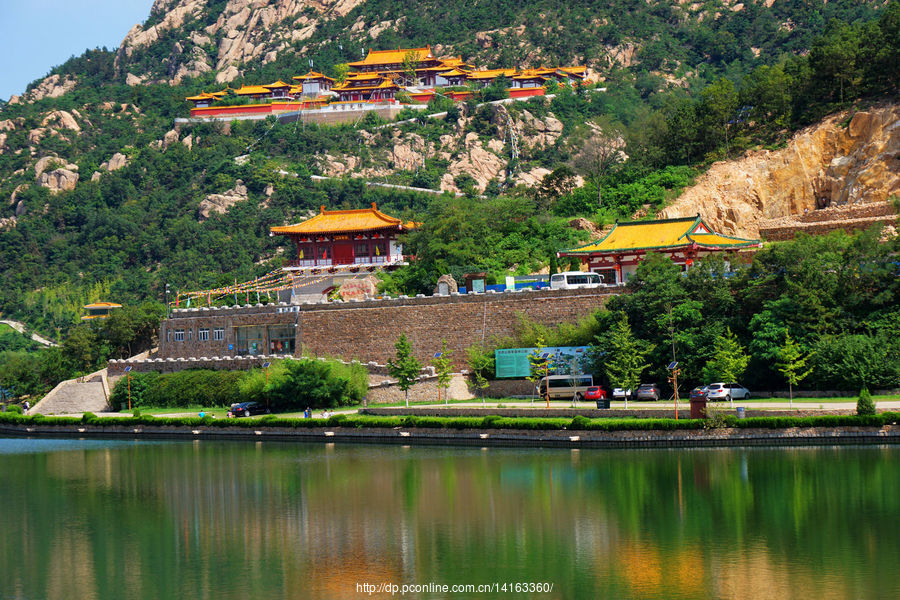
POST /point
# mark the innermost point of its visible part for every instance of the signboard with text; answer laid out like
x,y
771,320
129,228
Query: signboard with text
x,y
513,362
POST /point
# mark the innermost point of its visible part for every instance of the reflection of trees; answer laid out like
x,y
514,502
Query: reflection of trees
x,y
209,519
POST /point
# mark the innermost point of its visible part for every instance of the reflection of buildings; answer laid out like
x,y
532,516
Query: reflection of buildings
x,y
616,256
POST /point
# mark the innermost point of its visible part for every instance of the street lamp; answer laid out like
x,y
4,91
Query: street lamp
x,y
128,379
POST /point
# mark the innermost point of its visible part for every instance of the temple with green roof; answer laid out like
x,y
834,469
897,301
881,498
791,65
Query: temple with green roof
x,y
616,255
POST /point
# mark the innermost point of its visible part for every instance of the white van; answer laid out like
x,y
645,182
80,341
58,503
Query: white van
x,y
565,386
571,280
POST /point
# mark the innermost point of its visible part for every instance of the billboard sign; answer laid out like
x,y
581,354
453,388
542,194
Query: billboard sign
x,y
513,362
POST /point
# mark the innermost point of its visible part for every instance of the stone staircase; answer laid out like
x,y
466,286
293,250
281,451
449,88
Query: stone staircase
x,y
76,396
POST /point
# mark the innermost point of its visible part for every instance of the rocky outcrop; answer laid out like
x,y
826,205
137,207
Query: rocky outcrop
x,y
53,86
58,180
220,203
478,162
61,119
245,31
115,163
828,164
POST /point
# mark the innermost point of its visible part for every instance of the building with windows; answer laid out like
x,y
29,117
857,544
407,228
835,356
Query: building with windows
x,y
99,310
346,239
616,255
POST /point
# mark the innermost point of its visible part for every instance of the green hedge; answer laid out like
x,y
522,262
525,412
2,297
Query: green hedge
x,y
487,422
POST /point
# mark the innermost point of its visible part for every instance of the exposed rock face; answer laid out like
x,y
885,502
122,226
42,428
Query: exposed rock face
x,y
58,180
61,120
481,164
245,30
823,165
7,223
115,163
53,86
220,203
41,165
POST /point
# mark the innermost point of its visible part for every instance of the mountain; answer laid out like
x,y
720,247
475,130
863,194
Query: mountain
x,y
104,196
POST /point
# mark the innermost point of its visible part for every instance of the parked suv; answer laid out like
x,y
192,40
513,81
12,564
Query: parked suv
x,y
647,391
727,391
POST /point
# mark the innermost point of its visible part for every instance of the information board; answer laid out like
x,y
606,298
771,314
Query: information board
x,y
513,362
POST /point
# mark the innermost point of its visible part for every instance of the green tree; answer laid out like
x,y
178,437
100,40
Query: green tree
x,y
404,367
537,365
444,370
410,62
625,354
482,365
729,360
792,364
864,404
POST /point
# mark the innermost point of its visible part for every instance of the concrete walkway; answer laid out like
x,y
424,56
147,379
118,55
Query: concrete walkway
x,y
76,396
20,327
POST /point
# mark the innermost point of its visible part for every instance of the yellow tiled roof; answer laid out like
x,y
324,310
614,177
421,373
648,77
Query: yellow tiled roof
x,y
667,233
103,305
246,90
313,75
491,73
579,71
333,221
452,73
389,57
202,96
277,84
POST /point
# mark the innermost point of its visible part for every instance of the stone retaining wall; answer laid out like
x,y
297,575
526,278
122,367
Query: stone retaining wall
x,y
849,217
482,437
367,329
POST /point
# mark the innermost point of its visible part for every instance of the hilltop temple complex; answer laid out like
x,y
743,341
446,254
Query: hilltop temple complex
x,y
379,79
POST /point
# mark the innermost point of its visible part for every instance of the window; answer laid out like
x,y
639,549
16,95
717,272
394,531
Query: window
x,y
168,335
361,249
203,335
281,339
249,340
179,335
218,334
190,333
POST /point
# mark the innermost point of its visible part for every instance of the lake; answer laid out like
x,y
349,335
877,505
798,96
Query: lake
x,y
98,519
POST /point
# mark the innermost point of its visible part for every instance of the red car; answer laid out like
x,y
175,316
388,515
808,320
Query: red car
x,y
595,392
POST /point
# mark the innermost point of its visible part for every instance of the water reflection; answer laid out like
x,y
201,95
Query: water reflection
x,y
232,520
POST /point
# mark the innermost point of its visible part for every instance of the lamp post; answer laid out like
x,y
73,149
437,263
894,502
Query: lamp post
x,y
128,379
266,367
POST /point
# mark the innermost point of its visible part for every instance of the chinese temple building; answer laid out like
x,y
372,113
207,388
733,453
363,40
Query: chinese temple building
x,y
361,239
99,310
313,84
376,80
367,87
616,255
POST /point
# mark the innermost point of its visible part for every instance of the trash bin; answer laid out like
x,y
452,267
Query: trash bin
x,y
698,408
740,412
603,403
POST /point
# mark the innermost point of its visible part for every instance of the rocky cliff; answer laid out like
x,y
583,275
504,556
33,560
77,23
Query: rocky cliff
x,y
849,158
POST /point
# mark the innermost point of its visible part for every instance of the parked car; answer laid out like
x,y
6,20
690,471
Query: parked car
x,y
565,386
245,409
621,394
727,391
699,393
595,392
647,391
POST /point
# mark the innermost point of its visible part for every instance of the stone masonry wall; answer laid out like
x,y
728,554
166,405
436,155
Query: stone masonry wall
x,y
367,330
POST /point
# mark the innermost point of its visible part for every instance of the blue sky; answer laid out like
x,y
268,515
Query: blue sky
x,y
37,35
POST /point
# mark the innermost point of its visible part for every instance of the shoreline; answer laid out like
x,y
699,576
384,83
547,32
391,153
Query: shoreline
x,y
408,436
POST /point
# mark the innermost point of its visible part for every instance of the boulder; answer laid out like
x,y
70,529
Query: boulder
x,y
58,180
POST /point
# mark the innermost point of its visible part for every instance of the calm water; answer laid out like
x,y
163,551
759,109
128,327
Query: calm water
x,y
112,519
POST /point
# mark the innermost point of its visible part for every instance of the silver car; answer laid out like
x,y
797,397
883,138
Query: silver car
x,y
727,391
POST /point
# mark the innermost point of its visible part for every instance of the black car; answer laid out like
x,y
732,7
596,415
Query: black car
x,y
647,391
245,409
700,393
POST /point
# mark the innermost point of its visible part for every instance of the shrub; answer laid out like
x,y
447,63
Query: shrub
x,y
15,408
865,405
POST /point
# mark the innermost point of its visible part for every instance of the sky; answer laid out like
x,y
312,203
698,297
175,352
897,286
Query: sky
x,y
37,35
